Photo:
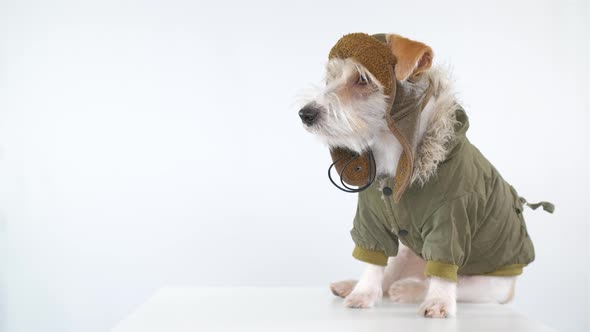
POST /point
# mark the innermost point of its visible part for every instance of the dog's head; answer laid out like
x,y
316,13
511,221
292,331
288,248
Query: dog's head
x,y
350,110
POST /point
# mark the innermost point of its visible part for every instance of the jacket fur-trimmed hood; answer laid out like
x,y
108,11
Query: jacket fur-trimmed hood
x,y
442,130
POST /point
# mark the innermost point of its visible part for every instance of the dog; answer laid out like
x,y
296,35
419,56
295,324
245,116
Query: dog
x,y
352,111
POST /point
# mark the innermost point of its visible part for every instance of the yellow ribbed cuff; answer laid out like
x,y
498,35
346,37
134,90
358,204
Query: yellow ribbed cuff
x,y
507,271
370,256
441,270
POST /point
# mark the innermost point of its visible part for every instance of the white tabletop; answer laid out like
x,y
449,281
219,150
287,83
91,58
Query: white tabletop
x,y
176,309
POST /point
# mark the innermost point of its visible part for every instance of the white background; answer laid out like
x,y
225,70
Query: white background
x,y
157,143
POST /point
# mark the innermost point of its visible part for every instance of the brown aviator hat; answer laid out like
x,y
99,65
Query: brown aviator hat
x,y
376,55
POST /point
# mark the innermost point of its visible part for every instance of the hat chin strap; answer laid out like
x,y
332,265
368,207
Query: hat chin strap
x,y
406,103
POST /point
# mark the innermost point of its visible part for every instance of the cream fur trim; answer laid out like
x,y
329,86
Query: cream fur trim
x,y
434,147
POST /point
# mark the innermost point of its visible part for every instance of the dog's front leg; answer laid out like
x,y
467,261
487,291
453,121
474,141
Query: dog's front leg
x,y
441,299
368,290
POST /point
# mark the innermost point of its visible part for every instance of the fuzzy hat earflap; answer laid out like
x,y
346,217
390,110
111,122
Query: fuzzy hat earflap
x,y
392,60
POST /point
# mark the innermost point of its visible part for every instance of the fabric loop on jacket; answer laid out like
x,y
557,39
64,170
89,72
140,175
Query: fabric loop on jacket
x,y
547,206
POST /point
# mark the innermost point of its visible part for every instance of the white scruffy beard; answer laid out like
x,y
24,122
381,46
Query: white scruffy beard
x,y
359,124
353,123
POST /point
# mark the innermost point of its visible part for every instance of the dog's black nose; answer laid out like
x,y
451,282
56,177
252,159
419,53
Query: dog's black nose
x,y
308,114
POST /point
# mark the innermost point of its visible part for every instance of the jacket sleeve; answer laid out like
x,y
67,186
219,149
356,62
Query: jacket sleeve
x,y
447,237
374,242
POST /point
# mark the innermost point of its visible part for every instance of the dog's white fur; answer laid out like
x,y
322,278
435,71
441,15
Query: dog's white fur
x,y
353,117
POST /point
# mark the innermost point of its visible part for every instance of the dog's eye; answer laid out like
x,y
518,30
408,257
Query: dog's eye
x,y
362,80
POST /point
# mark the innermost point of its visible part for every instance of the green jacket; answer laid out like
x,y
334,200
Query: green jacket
x,y
465,220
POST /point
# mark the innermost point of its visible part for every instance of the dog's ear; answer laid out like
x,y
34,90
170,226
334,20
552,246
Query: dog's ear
x,y
412,57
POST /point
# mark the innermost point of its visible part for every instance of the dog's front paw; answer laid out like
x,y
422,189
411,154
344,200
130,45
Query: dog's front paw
x,y
410,290
363,299
342,288
438,308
